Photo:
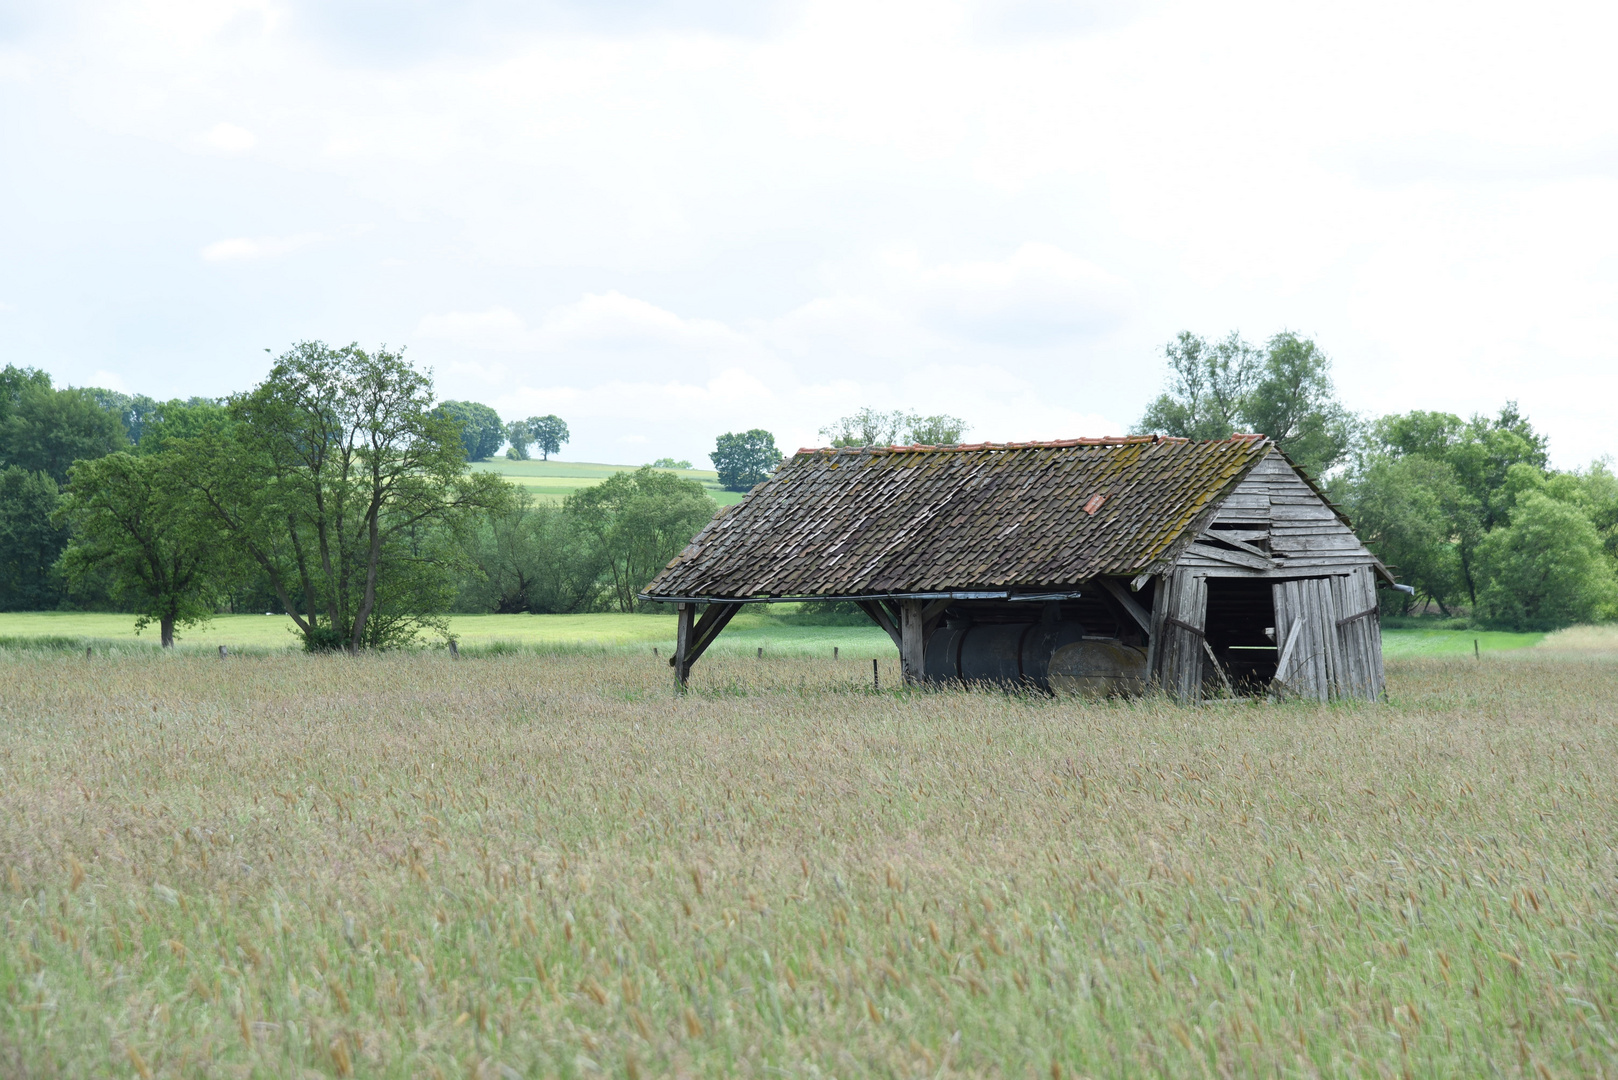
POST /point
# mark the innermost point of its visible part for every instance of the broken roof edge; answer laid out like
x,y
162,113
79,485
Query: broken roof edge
x,y
951,448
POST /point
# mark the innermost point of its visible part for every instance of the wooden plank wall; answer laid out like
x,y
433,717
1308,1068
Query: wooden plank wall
x,y
1312,659
1361,635
1302,532
1180,654
1275,526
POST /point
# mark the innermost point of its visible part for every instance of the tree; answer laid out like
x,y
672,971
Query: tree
x,y
533,557
939,429
137,521
671,463
549,433
1208,386
638,521
520,438
1545,569
349,489
870,427
30,541
481,431
1284,392
1481,454
47,430
1406,510
745,458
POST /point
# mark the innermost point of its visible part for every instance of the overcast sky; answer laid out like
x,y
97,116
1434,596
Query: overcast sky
x,y
666,219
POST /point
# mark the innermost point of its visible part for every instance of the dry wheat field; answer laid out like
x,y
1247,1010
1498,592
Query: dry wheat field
x,y
521,865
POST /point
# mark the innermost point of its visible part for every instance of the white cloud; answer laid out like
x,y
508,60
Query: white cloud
x,y
230,138
109,380
993,207
242,248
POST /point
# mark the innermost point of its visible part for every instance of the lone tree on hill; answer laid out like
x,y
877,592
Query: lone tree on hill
x,y
745,458
549,433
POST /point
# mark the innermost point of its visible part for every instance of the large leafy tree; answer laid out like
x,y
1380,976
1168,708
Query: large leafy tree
x,y
638,521
140,528
1408,510
549,433
1546,568
744,458
1477,456
479,427
30,541
1284,391
46,430
340,478
520,438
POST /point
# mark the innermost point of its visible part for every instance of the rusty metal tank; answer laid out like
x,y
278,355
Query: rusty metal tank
x,y
1011,654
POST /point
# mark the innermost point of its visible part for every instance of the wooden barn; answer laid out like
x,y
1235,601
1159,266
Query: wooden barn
x,y
1086,565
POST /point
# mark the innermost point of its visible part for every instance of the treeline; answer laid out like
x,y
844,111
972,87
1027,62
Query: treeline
x,y
1467,511
336,491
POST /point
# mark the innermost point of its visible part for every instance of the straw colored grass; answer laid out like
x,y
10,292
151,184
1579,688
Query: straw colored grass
x,y
405,866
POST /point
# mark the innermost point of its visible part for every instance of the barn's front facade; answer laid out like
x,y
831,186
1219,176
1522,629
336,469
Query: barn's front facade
x,y
1086,565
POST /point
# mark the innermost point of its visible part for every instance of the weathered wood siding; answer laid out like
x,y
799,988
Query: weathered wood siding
x,y
1274,526
1178,621
1274,511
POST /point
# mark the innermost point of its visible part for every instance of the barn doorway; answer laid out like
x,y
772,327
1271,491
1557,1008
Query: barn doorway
x,y
1241,631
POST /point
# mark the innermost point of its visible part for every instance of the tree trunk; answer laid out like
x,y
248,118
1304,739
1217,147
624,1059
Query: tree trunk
x,y
165,630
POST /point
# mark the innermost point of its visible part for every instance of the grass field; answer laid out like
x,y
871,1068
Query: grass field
x,y
553,481
755,629
405,866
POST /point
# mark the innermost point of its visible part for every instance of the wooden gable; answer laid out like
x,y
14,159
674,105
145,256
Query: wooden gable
x,y
1275,524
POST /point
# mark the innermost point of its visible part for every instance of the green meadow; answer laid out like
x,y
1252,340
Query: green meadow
x,y
553,481
777,629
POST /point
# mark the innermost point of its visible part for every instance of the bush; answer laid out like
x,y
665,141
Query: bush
x,y
324,639
1546,569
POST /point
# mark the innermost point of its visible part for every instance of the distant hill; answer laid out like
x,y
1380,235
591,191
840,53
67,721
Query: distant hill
x,y
553,481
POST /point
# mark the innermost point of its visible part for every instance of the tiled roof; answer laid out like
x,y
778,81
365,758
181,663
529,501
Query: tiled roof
x,y
903,519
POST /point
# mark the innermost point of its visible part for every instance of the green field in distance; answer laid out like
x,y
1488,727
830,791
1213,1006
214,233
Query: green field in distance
x,y
553,481
757,628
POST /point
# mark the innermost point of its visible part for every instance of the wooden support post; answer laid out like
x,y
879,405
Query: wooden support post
x,y
685,615
912,641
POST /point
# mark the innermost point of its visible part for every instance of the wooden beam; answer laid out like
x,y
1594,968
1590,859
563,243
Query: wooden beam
x,y
695,635
1220,668
1239,542
912,640
1235,558
1128,603
879,615
684,614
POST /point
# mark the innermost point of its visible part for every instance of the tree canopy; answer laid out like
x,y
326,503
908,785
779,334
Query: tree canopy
x,y
349,489
638,521
871,427
549,433
139,524
744,458
478,427
1284,391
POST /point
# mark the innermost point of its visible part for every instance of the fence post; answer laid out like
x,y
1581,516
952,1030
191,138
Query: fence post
x,y
221,652
876,678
